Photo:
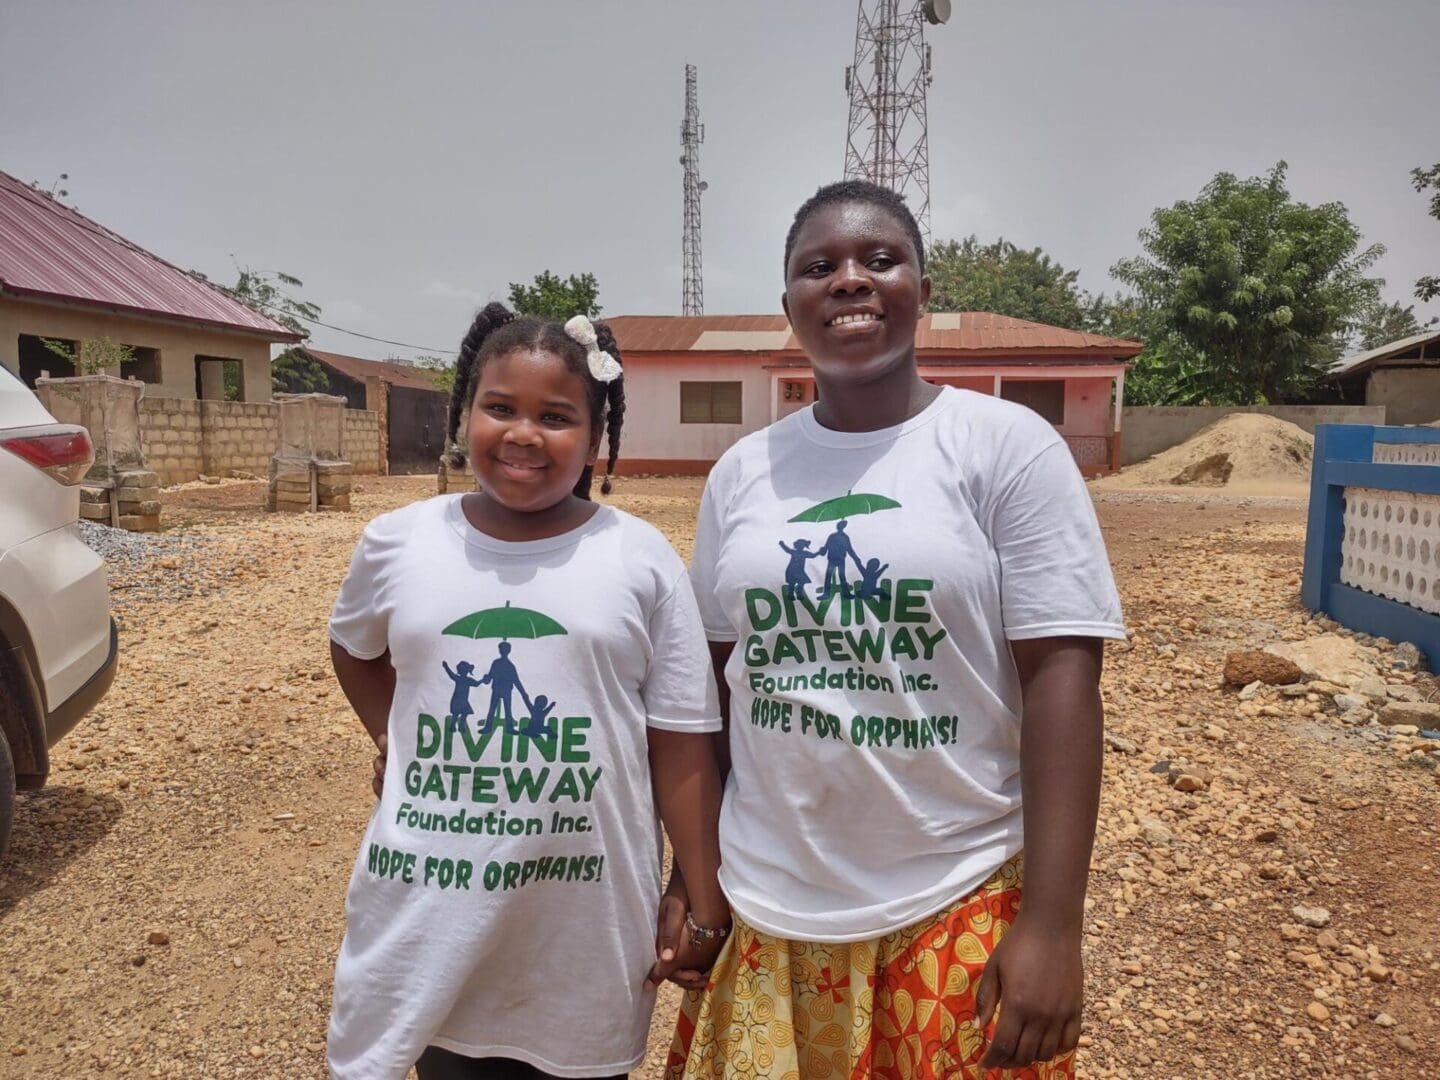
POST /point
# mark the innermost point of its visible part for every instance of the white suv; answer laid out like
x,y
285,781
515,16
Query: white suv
x,y
57,641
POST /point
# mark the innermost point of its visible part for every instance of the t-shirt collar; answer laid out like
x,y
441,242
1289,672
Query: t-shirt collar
x,y
455,515
817,433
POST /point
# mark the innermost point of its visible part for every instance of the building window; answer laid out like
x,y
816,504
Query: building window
x,y
144,364
1045,396
710,403
219,378
36,359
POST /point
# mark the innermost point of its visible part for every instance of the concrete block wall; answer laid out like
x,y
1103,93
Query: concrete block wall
x,y
170,429
361,441
1148,429
184,439
238,436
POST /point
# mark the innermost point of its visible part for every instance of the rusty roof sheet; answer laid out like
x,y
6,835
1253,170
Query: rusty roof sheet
x,y
50,251
976,334
386,370
1363,361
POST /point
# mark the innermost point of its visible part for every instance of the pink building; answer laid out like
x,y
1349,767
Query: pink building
x,y
696,384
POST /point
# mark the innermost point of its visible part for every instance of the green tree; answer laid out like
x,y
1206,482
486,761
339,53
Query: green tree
x,y
1428,287
1024,283
1381,323
1259,288
1167,372
267,292
441,370
295,371
553,298
92,357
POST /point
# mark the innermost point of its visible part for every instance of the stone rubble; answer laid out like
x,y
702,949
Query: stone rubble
x,y
1265,883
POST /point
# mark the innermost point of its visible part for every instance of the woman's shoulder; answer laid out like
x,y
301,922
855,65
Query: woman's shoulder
x,y
1006,428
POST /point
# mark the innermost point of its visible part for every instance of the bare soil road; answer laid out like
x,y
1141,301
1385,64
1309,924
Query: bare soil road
x,y
171,905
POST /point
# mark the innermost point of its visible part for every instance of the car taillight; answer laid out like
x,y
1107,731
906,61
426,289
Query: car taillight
x,y
63,451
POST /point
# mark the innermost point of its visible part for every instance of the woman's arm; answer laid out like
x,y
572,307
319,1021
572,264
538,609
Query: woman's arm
x,y
1035,973
720,656
369,686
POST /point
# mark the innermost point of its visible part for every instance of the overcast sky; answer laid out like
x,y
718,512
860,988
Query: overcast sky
x,y
410,160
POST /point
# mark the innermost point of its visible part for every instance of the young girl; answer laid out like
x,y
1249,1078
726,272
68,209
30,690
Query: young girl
x,y
500,920
893,746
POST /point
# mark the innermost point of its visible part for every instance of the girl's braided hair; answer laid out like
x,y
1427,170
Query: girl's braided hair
x,y
497,331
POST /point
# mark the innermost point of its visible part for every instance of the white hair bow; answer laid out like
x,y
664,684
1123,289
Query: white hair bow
x,y
603,366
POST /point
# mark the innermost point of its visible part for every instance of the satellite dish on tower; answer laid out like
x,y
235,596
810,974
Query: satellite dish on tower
x,y
936,12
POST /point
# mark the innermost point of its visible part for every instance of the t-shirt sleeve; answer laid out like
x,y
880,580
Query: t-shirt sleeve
x,y
1055,577
679,691
359,622
703,561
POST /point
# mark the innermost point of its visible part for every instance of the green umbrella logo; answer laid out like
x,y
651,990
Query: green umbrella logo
x,y
847,505
502,677
505,622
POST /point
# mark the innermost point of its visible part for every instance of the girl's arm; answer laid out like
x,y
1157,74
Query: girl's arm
x,y
369,686
676,901
687,794
1035,972
446,666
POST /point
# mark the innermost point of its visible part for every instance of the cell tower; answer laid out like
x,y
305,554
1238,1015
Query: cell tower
x,y
692,134
888,141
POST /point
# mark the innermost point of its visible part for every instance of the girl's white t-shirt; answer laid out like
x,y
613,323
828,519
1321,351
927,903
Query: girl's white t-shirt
x,y
871,582
504,899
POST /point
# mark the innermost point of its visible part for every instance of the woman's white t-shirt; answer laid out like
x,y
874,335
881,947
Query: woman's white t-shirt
x,y
871,582
503,903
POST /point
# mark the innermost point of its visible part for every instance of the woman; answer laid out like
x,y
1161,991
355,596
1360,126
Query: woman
x,y
892,749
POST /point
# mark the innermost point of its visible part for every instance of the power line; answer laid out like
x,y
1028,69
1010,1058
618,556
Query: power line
x,y
353,333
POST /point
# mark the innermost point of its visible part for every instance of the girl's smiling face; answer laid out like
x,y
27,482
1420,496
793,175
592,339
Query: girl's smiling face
x,y
854,292
530,430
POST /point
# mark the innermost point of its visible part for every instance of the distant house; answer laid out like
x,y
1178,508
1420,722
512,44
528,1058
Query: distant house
x,y
67,278
1404,376
696,384
413,409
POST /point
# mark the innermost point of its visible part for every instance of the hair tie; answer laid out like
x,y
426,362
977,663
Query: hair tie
x,y
603,366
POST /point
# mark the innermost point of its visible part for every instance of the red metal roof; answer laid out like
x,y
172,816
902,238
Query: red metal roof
x,y
50,251
974,334
386,370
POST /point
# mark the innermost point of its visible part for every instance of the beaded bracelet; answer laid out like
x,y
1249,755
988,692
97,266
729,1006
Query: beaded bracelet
x,y
701,935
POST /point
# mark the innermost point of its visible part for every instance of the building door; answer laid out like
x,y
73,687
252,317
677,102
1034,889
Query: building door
x,y
416,423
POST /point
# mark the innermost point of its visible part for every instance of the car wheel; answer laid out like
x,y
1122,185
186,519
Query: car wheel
x,y
7,793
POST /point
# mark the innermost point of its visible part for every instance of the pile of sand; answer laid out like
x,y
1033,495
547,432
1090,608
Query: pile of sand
x,y
1244,453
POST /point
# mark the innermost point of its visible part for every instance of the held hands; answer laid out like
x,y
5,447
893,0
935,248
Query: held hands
x,y
676,957
1037,978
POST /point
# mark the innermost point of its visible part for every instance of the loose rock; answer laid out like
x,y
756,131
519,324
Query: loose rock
x,y
1256,665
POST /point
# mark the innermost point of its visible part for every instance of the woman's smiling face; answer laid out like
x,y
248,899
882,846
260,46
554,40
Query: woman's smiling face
x,y
854,293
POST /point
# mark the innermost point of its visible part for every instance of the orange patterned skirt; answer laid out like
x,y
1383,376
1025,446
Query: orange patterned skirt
x,y
899,1007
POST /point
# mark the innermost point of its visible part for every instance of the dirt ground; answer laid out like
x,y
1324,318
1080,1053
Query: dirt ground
x,y
172,902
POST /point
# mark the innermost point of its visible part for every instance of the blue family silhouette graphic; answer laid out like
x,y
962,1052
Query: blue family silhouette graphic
x,y
838,551
502,677
460,707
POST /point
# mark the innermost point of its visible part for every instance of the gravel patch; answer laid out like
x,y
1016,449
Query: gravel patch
x,y
154,566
